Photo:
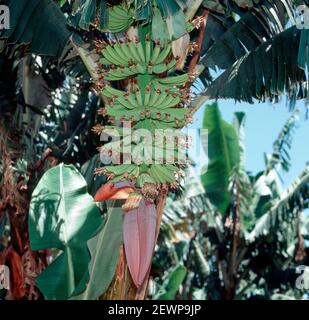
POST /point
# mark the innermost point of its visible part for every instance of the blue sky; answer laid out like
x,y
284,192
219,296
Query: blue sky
x,y
263,124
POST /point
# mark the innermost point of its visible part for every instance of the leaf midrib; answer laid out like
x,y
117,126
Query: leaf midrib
x,y
71,282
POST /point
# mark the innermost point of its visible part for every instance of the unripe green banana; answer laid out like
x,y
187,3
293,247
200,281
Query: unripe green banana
x,y
144,178
132,99
105,61
147,95
134,173
155,95
171,65
139,96
163,54
154,175
159,68
129,71
169,102
109,91
148,50
113,51
126,103
165,174
122,51
122,114
120,18
113,75
155,53
110,56
161,98
116,106
120,169
140,51
140,68
133,51
120,12
175,80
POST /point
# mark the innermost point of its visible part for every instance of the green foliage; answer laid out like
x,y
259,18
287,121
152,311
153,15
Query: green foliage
x,y
268,242
118,18
172,283
86,13
282,145
38,23
224,155
261,58
104,249
303,60
266,72
245,35
63,216
267,183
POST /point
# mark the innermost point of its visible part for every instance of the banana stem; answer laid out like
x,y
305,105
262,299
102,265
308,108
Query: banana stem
x,y
200,38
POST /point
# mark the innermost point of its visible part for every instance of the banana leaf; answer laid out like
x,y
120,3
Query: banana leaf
x,y
223,154
63,216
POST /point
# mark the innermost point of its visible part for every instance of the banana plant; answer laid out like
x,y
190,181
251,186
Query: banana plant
x,y
267,226
143,57
149,97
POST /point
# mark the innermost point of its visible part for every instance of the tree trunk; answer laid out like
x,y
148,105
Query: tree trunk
x,y
24,264
16,185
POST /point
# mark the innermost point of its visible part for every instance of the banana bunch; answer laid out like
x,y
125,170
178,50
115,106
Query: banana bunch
x,y
151,102
154,152
172,81
120,18
158,104
124,59
170,84
155,173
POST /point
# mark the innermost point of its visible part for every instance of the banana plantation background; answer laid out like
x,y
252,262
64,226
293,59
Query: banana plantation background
x,y
72,228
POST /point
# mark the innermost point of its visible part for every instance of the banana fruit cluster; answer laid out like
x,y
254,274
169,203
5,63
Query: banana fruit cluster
x,y
153,100
120,18
158,104
129,58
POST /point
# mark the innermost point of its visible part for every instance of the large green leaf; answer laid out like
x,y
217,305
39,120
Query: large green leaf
x,y
171,7
250,31
266,72
303,53
88,13
172,27
239,125
104,248
143,9
176,25
223,154
63,215
159,27
38,23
